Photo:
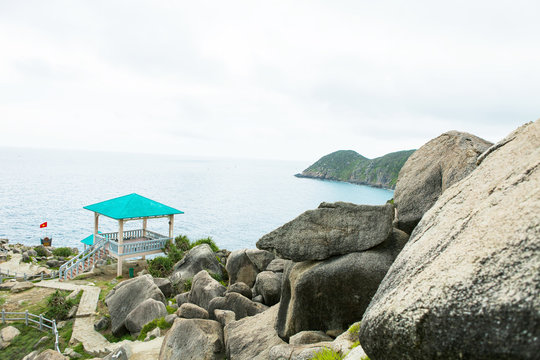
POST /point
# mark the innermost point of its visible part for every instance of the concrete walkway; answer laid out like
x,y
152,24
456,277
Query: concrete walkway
x,y
83,328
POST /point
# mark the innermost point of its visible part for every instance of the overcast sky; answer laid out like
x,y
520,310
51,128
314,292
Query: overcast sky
x,y
273,79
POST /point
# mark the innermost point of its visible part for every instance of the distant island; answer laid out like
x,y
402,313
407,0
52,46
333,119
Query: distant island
x,y
349,166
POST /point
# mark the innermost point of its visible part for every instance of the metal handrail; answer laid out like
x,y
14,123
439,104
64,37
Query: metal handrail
x,y
72,267
28,318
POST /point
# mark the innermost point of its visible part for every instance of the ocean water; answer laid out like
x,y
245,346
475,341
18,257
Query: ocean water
x,y
233,201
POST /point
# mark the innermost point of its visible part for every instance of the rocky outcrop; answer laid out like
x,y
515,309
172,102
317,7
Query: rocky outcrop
x,y
467,283
309,337
251,338
204,288
193,339
332,229
50,354
165,286
201,257
143,313
431,170
126,296
268,285
192,311
334,293
7,335
240,288
236,303
278,265
244,265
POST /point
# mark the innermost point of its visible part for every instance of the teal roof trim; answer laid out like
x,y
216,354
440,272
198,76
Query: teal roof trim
x,y
132,206
89,240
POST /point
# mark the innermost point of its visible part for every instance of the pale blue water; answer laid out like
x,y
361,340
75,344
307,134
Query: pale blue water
x,y
233,201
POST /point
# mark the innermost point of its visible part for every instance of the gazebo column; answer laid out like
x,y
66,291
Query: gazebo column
x,y
171,226
120,247
144,232
96,225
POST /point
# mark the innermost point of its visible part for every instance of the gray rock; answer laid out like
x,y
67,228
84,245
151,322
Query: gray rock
x,y
332,229
165,286
278,265
241,269
170,318
102,324
224,317
122,353
260,258
25,257
201,257
431,170
192,311
467,282
236,303
50,354
204,288
182,298
240,288
72,354
296,352
252,337
53,263
32,253
7,335
145,312
309,337
153,334
268,284
258,299
21,286
193,339
31,356
72,312
331,294
126,296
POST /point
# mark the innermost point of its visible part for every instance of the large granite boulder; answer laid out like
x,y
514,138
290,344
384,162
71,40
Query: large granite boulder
x,y
236,303
165,285
332,229
191,311
244,265
268,284
50,354
201,257
251,338
431,170
143,313
126,296
334,293
241,288
193,339
204,288
467,284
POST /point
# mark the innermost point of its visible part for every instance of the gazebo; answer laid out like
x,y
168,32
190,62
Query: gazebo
x,y
132,243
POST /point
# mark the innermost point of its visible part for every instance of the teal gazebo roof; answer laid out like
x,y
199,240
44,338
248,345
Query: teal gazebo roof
x,y
132,206
89,240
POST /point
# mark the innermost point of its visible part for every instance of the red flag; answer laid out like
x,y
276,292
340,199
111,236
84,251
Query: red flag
x,y
43,225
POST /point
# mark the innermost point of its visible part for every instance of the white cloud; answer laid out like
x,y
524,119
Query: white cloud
x,y
264,79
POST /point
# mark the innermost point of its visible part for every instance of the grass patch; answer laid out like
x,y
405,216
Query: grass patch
x,y
218,278
187,285
25,342
79,348
62,251
354,330
160,266
58,305
114,339
327,354
159,322
208,241
171,310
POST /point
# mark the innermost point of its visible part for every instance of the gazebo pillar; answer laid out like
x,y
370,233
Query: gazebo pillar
x,y
96,226
144,232
120,246
171,226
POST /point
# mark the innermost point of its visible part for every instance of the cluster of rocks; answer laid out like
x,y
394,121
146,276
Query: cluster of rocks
x,y
34,254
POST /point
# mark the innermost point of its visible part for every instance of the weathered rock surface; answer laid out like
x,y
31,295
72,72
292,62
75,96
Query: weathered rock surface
x,y
309,337
251,338
182,298
21,286
145,312
126,296
296,352
468,282
278,265
7,335
204,288
201,257
260,258
50,354
332,229
334,293
431,170
193,339
240,288
192,311
236,303
268,284
224,317
165,286
240,268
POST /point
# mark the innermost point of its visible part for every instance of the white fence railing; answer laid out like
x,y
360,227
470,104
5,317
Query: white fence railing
x,y
73,267
39,320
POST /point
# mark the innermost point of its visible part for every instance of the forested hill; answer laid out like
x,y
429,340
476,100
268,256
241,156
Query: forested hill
x,y
349,166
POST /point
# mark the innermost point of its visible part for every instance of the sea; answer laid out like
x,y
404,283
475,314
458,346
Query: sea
x,y
233,201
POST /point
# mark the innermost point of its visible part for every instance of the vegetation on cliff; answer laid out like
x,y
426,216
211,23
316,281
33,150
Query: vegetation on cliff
x,y
349,166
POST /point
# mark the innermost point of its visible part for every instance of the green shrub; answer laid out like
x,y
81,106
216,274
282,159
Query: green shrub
x,y
170,309
62,251
160,323
354,330
173,253
208,241
182,242
187,285
58,305
218,278
160,266
327,354
40,251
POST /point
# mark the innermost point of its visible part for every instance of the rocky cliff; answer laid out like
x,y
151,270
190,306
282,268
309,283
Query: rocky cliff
x,y
349,166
